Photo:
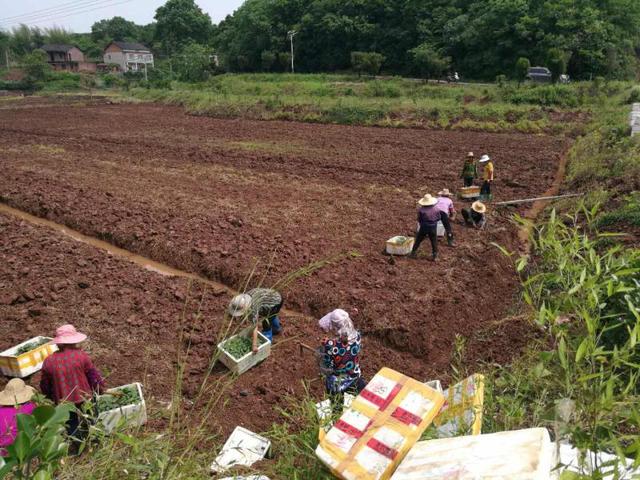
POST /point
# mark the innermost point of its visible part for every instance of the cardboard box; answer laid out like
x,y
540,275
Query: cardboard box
x,y
461,413
380,427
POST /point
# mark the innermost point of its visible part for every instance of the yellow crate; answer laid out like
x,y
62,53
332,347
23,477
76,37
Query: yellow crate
x,y
27,363
382,424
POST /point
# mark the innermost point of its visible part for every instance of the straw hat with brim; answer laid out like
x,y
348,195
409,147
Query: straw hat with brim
x,y
485,158
240,305
16,392
470,155
478,207
68,335
427,201
444,192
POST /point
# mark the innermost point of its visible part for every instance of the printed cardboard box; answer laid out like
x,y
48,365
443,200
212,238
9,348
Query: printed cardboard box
x,y
380,427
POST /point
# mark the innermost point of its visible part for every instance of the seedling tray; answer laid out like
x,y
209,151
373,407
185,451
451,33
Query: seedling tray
x,y
132,415
14,364
249,360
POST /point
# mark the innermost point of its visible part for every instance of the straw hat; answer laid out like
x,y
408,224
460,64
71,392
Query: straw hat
x,y
444,192
478,207
470,155
427,200
68,335
16,392
240,305
485,158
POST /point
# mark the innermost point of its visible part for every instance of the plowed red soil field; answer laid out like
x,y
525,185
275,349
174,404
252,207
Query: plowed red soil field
x,y
247,203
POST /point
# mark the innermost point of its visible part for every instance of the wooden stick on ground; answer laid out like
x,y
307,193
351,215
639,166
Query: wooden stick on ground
x,y
527,200
304,346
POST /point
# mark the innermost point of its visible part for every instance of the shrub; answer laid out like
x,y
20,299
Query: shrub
x,y
522,69
634,96
367,62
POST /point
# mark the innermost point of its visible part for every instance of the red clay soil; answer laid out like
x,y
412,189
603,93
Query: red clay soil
x,y
220,197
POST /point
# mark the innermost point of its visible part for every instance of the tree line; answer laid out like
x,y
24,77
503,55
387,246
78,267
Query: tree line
x,y
478,38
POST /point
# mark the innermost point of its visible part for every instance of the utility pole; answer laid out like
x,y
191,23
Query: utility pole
x,y
291,34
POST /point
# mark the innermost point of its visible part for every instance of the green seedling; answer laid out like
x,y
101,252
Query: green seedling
x,y
27,347
238,347
120,398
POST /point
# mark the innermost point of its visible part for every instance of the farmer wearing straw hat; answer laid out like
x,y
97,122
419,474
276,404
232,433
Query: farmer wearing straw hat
x,y
68,375
469,170
487,177
259,303
428,218
15,400
476,216
445,205
341,357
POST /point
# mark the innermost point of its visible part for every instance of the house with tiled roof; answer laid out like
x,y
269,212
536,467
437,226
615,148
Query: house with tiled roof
x,y
67,57
129,56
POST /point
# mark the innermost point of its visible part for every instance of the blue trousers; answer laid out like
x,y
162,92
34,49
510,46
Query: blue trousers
x,y
274,328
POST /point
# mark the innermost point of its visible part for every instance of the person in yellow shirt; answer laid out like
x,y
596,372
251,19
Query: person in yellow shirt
x,y
487,177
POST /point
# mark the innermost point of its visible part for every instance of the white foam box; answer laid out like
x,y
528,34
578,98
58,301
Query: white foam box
x,y
241,365
28,363
611,467
399,245
133,415
243,447
515,455
250,477
469,192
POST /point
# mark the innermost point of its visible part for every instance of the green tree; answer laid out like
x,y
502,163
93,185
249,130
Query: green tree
x,y
522,69
192,63
556,62
35,66
24,39
367,62
268,60
181,22
428,62
116,28
58,35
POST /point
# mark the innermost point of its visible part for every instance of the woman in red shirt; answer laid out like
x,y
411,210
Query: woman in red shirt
x,y
69,376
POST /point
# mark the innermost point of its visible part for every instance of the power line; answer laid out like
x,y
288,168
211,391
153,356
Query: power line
x,y
57,17
44,11
53,14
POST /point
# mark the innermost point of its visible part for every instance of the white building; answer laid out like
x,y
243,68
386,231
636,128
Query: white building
x,y
128,56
